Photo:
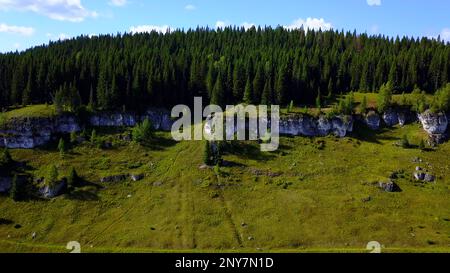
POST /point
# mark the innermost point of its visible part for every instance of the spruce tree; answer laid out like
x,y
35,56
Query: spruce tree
x,y
73,178
62,147
207,155
14,192
248,94
218,92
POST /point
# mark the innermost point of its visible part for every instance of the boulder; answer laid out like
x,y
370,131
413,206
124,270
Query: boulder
x,y
391,118
373,120
419,176
434,123
137,177
53,191
389,186
114,178
429,178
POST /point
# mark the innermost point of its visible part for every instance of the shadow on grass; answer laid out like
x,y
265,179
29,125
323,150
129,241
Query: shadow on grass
x,y
159,143
247,150
363,133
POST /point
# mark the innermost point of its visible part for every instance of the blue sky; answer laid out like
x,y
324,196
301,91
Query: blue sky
x,y
25,23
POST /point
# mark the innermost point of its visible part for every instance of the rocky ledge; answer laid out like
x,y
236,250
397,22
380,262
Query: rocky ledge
x,y
303,125
160,119
28,133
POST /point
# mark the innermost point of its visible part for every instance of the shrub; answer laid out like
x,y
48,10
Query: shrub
x,y
73,178
62,147
405,142
385,97
441,100
73,137
14,193
422,145
6,159
52,176
93,137
143,132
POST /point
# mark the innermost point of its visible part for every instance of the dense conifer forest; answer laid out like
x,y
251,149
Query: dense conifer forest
x,y
225,66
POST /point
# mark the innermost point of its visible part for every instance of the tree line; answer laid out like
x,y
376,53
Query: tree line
x,y
225,66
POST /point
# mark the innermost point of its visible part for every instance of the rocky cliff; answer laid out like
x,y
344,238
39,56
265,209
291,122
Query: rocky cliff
x,y
29,133
160,119
303,125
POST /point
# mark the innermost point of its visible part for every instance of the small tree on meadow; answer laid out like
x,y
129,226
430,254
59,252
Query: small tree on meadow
x,y
73,137
73,178
143,132
385,97
62,147
52,176
93,136
14,192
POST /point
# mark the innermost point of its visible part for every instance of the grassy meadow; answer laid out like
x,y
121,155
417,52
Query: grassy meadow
x,y
312,195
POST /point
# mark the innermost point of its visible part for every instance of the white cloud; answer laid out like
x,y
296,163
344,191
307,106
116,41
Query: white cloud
x,y
445,34
25,31
247,26
190,7
222,24
62,10
149,28
59,37
310,23
374,2
118,3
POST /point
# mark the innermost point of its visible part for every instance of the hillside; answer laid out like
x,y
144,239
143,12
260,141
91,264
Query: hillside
x,y
314,194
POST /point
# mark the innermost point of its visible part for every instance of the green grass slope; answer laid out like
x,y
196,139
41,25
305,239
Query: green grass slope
x,y
298,199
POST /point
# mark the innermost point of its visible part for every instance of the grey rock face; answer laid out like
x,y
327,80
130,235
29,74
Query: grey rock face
x,y
28,133
391,118
113,120
160,119
309,126
373,120
434,123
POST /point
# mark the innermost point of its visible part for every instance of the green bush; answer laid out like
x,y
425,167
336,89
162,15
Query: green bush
x,y
385,97
143,132
52,176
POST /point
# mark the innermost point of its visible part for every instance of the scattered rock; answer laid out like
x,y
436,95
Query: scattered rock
x,y
389,186
157,184
367,199
418,168
429,178
204,167
137,177
33,235
250,238
114,178
59,188
243,224
419,176
373,120
17,226
434,123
